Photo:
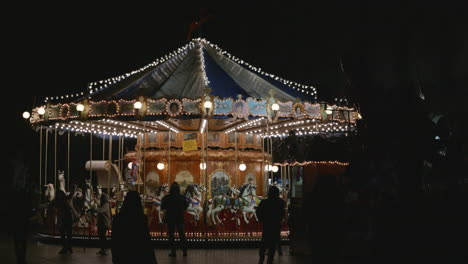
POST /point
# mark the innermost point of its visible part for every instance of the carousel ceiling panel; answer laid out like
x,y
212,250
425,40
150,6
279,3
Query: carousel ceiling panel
x,y
185,124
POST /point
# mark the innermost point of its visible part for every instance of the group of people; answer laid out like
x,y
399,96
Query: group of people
x,y
130,234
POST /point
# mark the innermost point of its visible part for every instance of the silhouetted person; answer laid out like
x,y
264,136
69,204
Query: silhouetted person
x,y
21,210
103,222
131,240
65,216
270,212
174,204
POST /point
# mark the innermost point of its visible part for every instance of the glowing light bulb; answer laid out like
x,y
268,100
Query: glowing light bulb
x,y
41,110
208,104
242,167
275,107
137,105
26,115
130,165
160,166
275,168
79,107
203,165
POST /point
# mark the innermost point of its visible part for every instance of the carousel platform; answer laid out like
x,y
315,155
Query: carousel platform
x,y
205,241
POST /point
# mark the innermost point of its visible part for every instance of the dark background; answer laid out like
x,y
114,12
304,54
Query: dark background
x,y
377,54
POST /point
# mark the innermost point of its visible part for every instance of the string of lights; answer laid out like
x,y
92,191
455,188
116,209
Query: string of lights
x,y
295,163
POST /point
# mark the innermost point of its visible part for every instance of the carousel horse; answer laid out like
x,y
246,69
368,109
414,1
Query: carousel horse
x,y
49,192
161,191
61,179
219,203
113,192
49,198
194,197
248,200
88,194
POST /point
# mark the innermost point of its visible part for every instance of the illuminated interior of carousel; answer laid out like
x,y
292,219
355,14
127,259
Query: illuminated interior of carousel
x,y
198,116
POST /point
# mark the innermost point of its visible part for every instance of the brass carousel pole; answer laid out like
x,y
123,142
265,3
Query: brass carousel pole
x,y
40,165
55,159
68,163
110,164
104,148
262,169
46,156
237,165
169,158
144,159
91,159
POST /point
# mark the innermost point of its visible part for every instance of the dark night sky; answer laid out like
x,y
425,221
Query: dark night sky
x,y
385,46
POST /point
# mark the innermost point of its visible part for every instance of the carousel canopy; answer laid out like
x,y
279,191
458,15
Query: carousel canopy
x,y
187,72
172,92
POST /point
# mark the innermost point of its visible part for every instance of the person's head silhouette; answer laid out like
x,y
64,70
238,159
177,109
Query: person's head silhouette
x,y
273,192
175,188
132,203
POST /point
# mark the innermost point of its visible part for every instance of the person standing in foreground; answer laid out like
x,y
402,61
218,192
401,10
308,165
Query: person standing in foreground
x,y
103,222
174,205
131,240
65,217
270,212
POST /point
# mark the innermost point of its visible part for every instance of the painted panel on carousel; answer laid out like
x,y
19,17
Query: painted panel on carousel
x,y
152,138
157,107
184,178
152,182
231,138
213,139
174,107
257,108
126,107
312,110
165,137
250,178
285,109
298,110
223,107
190,136
240,109
191,107
54,112
248,139
219,182
97,108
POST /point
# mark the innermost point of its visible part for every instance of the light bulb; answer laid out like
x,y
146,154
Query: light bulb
x,y
242,167
130,165
26,115
41,110
79,107
203,165
275,107
274,168
137,105
328,112
208,104
160,166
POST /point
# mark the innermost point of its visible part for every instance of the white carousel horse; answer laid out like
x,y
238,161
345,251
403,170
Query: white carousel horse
x,y
88,195
50,192
161,191
61,179
194,197
248,200
219,203
113,192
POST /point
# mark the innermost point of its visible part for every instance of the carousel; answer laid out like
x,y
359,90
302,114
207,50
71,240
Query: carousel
x,y
198,116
